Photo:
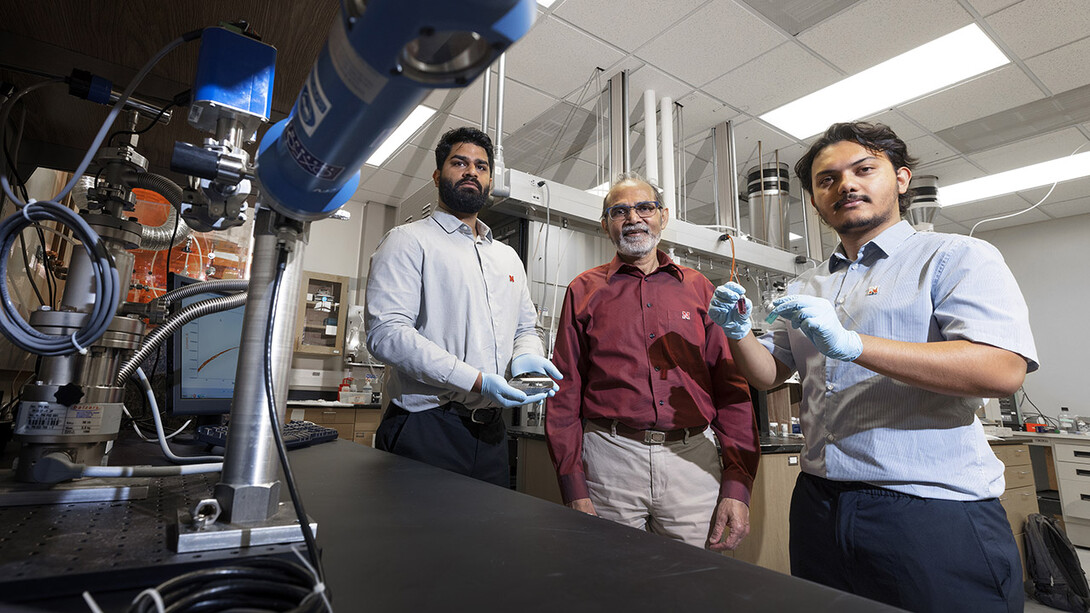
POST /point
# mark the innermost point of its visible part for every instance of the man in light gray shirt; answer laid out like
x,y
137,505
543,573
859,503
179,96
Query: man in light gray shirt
x,y
449,313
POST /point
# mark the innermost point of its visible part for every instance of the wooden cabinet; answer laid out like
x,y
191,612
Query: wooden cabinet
x,y
534,472
1020,498
769,507
323,312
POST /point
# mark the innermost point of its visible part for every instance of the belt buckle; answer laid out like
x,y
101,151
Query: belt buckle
x,y
473,415
654,437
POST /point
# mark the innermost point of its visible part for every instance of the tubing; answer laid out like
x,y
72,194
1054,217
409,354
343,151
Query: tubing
x,y
155,338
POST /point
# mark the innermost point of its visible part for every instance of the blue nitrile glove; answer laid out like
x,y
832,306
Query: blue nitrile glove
x,y
816,318
530,363
495,387
724,310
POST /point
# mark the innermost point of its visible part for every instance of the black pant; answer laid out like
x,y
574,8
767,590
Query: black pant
x,y
444,439
920,554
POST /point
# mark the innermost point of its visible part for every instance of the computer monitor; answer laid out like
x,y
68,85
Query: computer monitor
x,y
203,357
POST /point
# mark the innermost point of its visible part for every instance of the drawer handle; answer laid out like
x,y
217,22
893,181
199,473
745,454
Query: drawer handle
x,y
1084,496
1082,472
1082,454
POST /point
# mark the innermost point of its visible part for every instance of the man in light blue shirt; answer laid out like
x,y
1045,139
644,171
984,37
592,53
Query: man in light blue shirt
x,y
896,338
449,312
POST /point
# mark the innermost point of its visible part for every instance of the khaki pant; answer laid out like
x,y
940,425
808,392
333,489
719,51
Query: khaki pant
x,y
670,489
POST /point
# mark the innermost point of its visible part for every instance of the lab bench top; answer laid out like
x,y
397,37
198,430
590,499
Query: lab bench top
x,y
769,444
399,535
330,404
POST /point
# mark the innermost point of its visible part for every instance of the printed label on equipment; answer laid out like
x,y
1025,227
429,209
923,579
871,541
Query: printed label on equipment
x,y
306,160
357,75
40,418
83,419
313,103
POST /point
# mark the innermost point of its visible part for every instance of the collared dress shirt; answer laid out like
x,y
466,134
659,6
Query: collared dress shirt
x,y
442,306
641,349
915,287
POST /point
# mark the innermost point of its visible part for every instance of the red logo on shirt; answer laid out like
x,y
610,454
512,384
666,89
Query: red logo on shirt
x,y
511,277
872,290
685,315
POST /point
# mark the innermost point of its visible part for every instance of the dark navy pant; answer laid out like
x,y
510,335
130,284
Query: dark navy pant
x,y
915,553
444,439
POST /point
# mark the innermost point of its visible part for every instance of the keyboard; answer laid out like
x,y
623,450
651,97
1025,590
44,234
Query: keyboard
x,y
296,433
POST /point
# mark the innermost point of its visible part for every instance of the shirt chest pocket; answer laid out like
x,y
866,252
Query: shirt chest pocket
x,y
682,342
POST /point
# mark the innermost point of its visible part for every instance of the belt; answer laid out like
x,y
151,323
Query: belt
x,y
650,437
485,415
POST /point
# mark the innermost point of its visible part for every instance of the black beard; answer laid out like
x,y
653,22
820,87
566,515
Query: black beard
x,y
462,201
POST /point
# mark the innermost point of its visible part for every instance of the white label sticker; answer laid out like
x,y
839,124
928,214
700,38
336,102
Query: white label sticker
x,y
40,418
357,75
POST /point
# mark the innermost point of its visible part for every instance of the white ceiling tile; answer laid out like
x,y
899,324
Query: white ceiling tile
x,y
387,182
1030,151
785,73
872,32
987,7
701,112
906,130
950,171
927,148
642,19
993,223
410,159
997,91
1079,206
1064,68
648,77
713,40
554,57
1035,26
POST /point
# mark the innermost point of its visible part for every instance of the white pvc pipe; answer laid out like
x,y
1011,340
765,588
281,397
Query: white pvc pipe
x,y
666,119
650,137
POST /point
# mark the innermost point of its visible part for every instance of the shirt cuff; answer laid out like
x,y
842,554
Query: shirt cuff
x,y
463,377
730,487
573,487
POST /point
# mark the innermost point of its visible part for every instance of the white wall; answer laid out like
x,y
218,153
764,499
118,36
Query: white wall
x,y
1050,260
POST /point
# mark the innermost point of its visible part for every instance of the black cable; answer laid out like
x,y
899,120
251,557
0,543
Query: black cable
x,y
50,281
282,451
266,583
22,241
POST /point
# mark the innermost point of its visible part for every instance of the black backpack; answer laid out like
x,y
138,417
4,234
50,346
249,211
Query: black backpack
x,y
1054,567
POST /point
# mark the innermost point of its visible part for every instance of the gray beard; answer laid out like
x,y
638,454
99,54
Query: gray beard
x,y
637,246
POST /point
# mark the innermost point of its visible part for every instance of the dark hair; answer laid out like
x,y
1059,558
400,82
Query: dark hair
x,y
466,134
631,177
875,137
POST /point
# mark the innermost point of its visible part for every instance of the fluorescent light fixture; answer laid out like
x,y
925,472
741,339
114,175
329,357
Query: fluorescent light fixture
x,y
928,68
1035,175
402,133
599,190
545,3
791,236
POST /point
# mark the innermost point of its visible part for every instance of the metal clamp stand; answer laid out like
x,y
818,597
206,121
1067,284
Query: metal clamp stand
x,y
246,509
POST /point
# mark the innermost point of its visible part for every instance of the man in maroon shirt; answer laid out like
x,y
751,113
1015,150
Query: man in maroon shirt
x,y
645,373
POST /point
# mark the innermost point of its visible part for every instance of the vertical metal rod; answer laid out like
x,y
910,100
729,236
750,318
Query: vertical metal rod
x,y
484,99
501,78
715,177
761,178
683,164
249,486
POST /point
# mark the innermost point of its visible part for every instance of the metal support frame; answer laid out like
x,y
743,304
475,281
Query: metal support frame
x,y
583,211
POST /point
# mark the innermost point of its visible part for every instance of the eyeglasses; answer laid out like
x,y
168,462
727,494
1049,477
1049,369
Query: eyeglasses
x,y
644,209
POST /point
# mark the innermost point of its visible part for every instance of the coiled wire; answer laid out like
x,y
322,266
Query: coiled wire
x,y
106,282
259,584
